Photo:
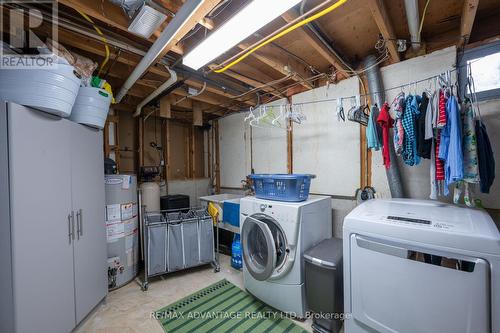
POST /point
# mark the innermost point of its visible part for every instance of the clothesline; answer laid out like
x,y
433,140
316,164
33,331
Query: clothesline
x,y
409,84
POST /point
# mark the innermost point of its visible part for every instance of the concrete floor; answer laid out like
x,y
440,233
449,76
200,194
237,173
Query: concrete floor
x,y
128,309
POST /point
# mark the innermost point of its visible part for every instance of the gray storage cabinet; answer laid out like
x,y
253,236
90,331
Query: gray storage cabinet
x,y
52,232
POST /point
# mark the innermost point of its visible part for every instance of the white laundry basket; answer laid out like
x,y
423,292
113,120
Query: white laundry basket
x,y
50,90
91,107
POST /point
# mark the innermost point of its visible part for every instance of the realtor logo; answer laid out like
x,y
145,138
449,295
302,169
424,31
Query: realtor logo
x,y
26,26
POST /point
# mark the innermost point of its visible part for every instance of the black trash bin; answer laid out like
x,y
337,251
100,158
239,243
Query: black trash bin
x,y
324,285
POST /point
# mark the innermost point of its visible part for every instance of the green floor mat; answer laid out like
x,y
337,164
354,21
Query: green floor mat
x,y
223,307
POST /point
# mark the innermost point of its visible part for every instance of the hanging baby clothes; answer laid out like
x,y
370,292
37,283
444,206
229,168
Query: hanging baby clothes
x,y
486,160
450,150
371,130
423,145
385,121
471,168
398,125
410,156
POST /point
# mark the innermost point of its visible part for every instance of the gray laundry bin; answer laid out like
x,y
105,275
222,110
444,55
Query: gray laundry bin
x,y
324,285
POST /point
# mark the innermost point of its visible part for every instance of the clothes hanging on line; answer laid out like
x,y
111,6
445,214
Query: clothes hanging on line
x,y
371,130
411,112
423,144
385,122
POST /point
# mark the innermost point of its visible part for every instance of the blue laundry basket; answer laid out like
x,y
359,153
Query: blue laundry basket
x,y
282,187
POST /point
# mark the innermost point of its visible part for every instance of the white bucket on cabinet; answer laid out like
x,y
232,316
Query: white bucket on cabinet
x,y
51,90
91,107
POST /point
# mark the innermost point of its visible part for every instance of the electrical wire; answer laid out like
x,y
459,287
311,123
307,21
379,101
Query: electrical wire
x,y
423,17
283,33
106,47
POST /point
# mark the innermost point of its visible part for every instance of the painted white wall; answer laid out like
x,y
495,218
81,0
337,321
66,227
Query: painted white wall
x,y
195,188
325,146
269,147
234,150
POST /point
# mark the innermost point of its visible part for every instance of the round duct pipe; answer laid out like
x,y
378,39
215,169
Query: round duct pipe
x,y
377,95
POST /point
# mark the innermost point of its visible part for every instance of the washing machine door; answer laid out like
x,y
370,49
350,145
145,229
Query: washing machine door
x,y
264,246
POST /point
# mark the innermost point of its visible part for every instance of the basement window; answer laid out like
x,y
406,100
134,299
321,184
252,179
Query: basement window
x,y
484,62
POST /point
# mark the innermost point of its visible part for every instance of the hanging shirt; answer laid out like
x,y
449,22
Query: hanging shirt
x,y
471,168
371,130
438,162
385,121
410,156
429,117
442,119
423,145
450,150
398,126
486,158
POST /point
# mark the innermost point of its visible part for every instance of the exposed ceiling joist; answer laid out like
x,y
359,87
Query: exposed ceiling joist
x,y
281,63
467,20
311,39
252,82
110,14
199,15
383,21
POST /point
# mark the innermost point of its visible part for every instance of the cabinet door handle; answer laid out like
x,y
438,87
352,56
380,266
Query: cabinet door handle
x,y
79,223
73,225
69,228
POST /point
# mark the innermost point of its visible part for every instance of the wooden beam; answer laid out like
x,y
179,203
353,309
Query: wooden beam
x,y
197,115
217,157
311,39
199,14
383,21
251,82
107,12
280,63
467,20
165,107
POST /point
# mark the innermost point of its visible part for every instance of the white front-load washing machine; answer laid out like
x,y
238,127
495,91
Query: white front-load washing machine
x,y
274,235
415,266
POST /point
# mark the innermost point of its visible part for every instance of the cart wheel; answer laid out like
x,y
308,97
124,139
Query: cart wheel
x,y
217,269
144,286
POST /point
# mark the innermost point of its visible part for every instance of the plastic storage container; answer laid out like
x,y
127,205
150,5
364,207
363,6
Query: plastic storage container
x,y
51,90
324,285
91,107
175,201
282,187
231,212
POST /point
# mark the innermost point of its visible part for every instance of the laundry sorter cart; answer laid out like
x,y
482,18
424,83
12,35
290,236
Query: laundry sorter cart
x,y
177,240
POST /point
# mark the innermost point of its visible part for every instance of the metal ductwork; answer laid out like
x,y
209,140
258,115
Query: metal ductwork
x,y
167,84
189,8
413,17
377,95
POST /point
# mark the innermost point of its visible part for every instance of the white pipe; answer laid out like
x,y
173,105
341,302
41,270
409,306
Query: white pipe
x,y
413,17
187,10
171,80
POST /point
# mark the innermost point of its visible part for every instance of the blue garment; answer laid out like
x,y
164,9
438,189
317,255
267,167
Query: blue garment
x,y
450,149
410,156
371,130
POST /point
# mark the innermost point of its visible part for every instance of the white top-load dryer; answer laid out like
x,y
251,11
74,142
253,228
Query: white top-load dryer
x,y
274,235
421,266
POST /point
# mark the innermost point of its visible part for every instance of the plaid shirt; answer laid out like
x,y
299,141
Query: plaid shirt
x,y
410,156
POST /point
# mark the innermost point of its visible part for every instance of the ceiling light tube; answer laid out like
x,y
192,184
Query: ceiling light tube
x,y
253,17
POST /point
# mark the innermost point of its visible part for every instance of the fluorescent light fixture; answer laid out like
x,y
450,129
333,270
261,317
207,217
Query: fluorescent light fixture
x,y
254,16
